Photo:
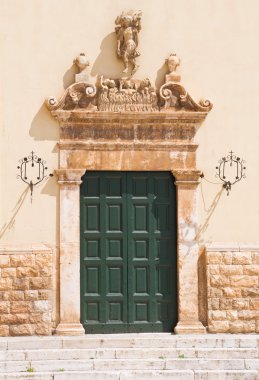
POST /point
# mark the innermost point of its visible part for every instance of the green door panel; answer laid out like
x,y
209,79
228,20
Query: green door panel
x,y
128,252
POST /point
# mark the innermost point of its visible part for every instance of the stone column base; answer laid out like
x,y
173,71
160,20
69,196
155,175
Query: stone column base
x,y
70,329
190,327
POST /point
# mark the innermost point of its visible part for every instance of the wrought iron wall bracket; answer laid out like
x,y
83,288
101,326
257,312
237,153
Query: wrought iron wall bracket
x,y
38,165
231,164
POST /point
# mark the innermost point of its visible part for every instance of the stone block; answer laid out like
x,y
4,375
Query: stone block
x,y
35,317
4,307
252,364
248,314
23,260
19,330
43,294
225,304
205,364
151,375
4,261
31,295
251,292
257,326
240,303
251,269
107,375
215,293
8,319
43,329
245,281
26,272
5,283
242,258
254,303
4,330
255,257
122,364
219,280
20,283
213,303
230,270
218,327
41,306
15,295
238,327
231,292
22,318
214,258
231,315
213,269
227,258
217,315
20,307
8,272
40,283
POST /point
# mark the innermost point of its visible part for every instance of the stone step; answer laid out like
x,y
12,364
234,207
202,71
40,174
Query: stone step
x,y
129,353
160,340
135,375
128,364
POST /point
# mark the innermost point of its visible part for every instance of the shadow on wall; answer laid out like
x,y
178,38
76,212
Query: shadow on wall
x,y
44,126
8,225
107,63
69,76
160,77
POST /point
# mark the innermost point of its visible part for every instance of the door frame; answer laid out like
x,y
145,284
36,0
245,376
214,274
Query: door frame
x,y
128,142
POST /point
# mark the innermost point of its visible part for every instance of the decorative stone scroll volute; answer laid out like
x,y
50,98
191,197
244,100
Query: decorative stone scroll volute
x,y
126,124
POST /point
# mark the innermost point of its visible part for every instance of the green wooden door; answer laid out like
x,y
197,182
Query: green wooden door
x,y
128,252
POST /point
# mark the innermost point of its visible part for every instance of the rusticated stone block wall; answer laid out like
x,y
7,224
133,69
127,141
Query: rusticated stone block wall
x,y
233,291
25,291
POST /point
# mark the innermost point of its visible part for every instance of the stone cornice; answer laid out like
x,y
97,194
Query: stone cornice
x,y
83,116
69,176
111,146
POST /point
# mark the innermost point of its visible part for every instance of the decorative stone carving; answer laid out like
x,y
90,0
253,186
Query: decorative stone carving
x,y
129,25
173,61
78,95
82,63
126,95
175,96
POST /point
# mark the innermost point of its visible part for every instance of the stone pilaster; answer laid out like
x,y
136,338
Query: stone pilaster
x,y
188,318
69,181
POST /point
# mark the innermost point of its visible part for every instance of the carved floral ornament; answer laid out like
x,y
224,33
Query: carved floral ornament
x,y
127,94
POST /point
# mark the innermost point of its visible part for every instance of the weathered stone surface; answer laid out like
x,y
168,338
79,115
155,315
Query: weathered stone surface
x,y
20,308
4,330
26,272
233,307
242,258
26,329
26,260
40,283
4,261
8,272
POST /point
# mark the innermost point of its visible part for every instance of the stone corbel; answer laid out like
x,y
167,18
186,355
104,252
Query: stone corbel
x,y
187,176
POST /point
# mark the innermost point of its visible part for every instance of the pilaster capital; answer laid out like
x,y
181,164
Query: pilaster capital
x,y
187,176
70,176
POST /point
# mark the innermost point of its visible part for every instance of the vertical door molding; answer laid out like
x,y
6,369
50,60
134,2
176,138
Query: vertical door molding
x,y
69,181
187,182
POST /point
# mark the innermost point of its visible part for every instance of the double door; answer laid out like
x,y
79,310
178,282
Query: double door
x,y
128,252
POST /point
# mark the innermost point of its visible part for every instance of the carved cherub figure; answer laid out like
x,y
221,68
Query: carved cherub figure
x,y
129,25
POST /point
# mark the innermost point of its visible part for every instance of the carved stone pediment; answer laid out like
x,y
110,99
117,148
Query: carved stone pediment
x,y
127,94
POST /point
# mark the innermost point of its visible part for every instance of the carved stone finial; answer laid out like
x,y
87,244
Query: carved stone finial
x,y
173,61
83,64
129,25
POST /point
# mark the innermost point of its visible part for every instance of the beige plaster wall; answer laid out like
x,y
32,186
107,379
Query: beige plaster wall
x,y
217,43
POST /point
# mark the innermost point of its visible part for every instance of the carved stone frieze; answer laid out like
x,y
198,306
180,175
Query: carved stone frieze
x,y
126,95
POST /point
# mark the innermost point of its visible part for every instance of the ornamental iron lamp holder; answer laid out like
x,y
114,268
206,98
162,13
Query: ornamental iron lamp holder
x,y
32,170
230,170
